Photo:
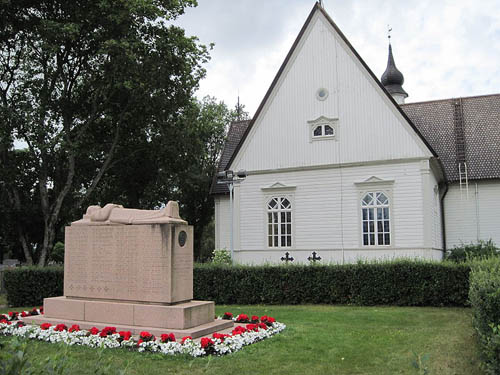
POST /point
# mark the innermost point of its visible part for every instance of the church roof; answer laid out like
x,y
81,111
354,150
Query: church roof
x,y
481,126
234,136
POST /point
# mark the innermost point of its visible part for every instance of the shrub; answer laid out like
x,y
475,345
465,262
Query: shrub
x,y
484,295
57,253
221,256
472,251
28,286
404,283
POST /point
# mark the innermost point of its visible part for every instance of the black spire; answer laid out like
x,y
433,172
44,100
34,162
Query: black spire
x,y
393,79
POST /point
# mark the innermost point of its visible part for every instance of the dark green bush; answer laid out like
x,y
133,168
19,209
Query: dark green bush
x,y
403,283
57,253
28,286
472,251
484,296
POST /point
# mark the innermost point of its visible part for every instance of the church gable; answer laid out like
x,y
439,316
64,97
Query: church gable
x,y
325,107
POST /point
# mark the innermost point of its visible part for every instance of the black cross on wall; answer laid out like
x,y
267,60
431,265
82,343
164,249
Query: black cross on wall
x,y
314,258
287,258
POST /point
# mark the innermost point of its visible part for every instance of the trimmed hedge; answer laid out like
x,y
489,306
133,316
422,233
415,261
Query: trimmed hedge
x,y
28,286
403,283
484,295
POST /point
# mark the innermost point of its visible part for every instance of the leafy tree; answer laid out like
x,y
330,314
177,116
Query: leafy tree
x,y
80,82
174,163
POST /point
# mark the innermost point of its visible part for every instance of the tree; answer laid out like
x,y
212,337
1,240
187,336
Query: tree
x,y
176,163
79,81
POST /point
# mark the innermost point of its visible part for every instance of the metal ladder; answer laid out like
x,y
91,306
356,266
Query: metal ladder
x,y
463,173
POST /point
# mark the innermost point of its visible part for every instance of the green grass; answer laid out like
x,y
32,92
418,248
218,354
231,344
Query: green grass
x,y
319,340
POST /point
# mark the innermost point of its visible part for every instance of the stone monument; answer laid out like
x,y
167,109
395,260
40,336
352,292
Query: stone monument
x,y
131,269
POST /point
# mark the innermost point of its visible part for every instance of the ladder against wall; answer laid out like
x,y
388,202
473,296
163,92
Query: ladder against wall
x,y
463,174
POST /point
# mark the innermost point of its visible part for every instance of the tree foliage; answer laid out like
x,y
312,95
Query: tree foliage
x,y
87,86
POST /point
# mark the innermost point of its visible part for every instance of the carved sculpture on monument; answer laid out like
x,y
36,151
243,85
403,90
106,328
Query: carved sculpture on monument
x,y
132,269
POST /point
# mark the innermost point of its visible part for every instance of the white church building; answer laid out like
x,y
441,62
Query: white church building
x,y
338,165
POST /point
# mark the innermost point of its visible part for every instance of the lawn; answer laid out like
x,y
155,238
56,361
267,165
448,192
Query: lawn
x,y
318,340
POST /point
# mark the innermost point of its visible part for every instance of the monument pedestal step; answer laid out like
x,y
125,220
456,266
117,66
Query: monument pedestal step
x,y
202,330
181,316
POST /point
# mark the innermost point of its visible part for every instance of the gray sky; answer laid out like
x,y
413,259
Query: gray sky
x,y
443,48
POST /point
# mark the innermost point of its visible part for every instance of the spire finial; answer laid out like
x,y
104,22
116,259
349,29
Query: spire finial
x,y
389,29
320,3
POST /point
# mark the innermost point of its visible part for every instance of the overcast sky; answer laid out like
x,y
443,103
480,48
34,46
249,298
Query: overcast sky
x,y
443,48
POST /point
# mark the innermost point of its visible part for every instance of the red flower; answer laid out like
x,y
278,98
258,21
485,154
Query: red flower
x,y
227,316
255,319
220,336
263,318
20,324
60,328
186,338
206,342
238,330
107,331
24,314
139,342
94,331
252,327
74,328
3,316
41,309
146,336
3,321
125,335
242,318
262,325
34,312
167,337
45,326
12,314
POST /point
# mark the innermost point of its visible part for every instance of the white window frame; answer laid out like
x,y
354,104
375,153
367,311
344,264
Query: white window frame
x,y
274,229
373,208
277,189
375,184
322,122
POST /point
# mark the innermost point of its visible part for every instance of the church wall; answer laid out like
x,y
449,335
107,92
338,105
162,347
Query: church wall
x,y
326,213
473,217
222,222
367,120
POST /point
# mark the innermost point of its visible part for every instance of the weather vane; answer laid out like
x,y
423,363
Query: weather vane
x,y
389,29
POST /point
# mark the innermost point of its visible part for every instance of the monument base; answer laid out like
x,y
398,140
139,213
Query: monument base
x,y
193,318
194,332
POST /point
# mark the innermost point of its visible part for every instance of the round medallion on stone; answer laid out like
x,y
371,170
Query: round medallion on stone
x,y
182,238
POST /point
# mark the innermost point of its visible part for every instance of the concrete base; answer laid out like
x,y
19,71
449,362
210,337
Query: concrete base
x,y
194,332
181,316
193,318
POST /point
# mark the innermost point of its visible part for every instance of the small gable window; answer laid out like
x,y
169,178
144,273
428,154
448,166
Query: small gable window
x,y
279,222
323,128
375,219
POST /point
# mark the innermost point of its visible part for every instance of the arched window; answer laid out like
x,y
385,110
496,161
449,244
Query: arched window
x,y
375,219
279,222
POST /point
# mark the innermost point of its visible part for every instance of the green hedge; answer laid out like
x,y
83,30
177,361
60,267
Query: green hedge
x,y
28,286
484,295
403,283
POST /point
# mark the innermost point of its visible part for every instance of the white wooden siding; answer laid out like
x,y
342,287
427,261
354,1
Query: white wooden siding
x,y
326,213
474,218
222,222
369,126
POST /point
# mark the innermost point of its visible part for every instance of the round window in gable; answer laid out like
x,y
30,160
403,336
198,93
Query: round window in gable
x,y
322,94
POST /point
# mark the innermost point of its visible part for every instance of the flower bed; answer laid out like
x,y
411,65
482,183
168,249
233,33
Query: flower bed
x,y
249,331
